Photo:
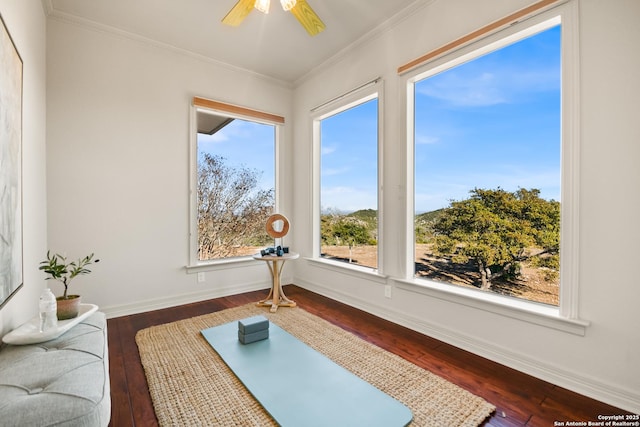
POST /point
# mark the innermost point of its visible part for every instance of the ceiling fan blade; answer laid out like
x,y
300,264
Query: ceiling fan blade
x,y
237,14
307,17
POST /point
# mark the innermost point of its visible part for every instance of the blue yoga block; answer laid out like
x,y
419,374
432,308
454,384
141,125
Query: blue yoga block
x,y
253,337
253,324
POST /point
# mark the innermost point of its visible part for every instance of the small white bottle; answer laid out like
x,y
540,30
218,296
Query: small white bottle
x,y
48,311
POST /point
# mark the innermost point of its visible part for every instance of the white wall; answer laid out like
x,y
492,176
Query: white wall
x,y
118,164
26,23
604,362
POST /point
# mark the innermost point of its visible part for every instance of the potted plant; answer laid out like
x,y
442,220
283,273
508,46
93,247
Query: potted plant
x,y
57,267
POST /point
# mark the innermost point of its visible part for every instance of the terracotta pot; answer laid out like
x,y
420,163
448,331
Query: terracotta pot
x,y
68,308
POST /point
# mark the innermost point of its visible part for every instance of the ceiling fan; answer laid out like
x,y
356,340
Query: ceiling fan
x,y
299,8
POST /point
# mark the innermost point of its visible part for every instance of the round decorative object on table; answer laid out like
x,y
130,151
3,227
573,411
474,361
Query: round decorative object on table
x,y
272,220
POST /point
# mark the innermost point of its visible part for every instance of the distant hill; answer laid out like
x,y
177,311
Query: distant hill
x,y
423,224
371,215
429,216
365,214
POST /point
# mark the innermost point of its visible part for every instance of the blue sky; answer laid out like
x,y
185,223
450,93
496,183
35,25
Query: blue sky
x,y
244,144
349,159
492,122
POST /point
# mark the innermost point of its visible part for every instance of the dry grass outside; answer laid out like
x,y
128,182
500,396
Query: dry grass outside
x,y
531,285
226,252
366,255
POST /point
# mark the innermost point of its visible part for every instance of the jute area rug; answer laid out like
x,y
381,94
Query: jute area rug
x,y
191,386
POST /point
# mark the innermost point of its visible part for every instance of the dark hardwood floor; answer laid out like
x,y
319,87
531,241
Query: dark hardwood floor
x,y
520,399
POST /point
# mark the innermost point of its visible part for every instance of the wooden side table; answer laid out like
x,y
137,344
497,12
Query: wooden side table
x,y
276,297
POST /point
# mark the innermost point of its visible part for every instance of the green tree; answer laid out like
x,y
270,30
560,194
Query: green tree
x,y
348,230
497,230
351,231
232,210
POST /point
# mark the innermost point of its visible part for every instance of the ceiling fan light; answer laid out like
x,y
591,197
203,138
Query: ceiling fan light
x,y
262,5
288,4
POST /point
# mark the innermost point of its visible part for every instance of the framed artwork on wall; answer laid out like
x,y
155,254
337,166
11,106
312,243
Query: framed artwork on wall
x,y
11,268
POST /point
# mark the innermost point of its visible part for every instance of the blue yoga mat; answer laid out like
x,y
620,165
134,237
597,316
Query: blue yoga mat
x,y
299,386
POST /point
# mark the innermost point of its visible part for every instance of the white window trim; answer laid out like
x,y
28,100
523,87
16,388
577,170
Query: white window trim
x,y
196,265
358,271
565,317
373,89
531,312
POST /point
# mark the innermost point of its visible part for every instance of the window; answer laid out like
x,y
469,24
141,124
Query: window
x,y
493,157
234,180
347,137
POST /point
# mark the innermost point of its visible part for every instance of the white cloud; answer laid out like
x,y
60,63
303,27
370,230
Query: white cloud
x,y
458,90
466,87
347,199
212,139
333,172
425,140
436,192
328,150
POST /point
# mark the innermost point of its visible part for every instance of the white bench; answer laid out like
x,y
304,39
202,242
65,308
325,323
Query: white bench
x,y
61,382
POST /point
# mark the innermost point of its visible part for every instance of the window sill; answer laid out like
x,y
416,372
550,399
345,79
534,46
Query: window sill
x,y
353,270
539,314
219,264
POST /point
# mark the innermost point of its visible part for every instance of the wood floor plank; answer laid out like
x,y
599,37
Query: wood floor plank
x,y
121,414
142,407
521,400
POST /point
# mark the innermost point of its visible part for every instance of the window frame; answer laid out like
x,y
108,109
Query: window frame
x,y
235,112
364,93
566,316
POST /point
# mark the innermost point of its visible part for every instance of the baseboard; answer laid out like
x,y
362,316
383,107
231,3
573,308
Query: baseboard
x,y
625,399
174,300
